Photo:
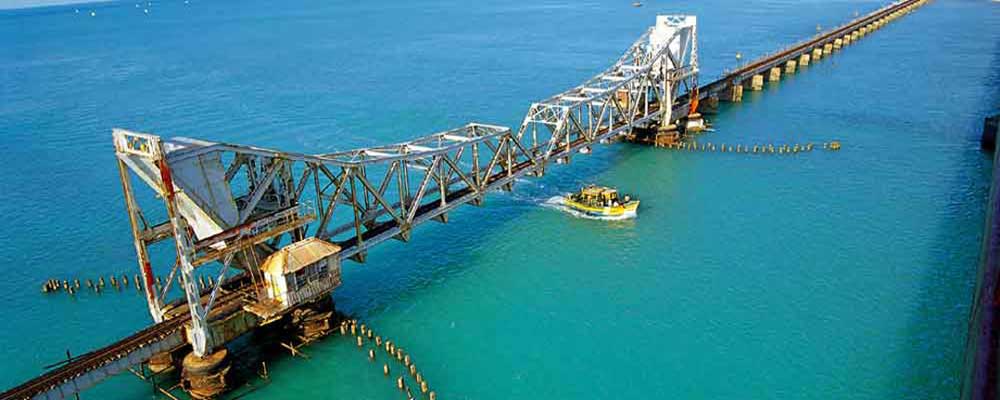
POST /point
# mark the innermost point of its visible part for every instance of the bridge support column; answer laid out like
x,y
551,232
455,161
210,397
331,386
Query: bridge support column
x,y
827,49
205,377
790,67
709,105
863,31
667,136
757,82
736,93
817,54
161,363
313,321
694,124
804,60
846,40
837,44
774,75
855,35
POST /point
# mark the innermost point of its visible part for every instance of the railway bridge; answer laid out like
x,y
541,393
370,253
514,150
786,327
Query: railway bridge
x,y
274,226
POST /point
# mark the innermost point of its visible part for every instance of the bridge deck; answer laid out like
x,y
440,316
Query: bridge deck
x,y
767,62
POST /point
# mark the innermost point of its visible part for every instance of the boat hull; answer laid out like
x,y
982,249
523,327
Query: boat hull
x,y
623,210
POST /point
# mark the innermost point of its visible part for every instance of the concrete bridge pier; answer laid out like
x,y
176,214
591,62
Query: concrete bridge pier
x,y
838,43
757,82
709,105
314,321
205,377
694,123
817,54
774,75
790,67
736,93
161,363
827,49
804,59
667,136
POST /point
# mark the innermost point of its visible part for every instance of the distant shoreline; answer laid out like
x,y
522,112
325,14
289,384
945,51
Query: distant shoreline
x,y
25,4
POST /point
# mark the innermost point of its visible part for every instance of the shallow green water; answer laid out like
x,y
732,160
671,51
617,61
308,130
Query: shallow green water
x,y
823,275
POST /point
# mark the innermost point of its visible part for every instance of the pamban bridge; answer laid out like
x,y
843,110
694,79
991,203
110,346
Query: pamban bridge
x,y
272,229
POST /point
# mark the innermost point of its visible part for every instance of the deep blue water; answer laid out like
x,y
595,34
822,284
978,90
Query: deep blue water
x,y
822,275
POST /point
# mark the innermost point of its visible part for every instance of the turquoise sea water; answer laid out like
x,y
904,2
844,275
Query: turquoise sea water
x,y
822,275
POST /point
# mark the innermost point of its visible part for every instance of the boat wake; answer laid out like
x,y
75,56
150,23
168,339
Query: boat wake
x,y
558,203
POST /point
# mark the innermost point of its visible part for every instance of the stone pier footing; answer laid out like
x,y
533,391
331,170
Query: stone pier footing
x,y
161,363
736,93
804,60
694,123
205,377
774,75
313,321
790,67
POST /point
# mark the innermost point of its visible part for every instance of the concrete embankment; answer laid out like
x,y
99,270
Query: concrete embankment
x,y
981,361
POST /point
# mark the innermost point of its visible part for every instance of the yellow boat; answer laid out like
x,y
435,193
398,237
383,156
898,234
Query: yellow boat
x,y
601,201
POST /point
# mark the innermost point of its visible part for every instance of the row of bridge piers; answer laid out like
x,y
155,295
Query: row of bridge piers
x,y
756,74
790,63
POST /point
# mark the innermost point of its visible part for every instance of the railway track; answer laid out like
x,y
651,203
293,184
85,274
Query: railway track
x,y
164,336
769,61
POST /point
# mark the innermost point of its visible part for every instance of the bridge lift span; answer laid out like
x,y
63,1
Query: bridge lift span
x,y
238,207
231,204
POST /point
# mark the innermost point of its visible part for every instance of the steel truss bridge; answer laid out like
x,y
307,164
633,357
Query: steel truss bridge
x,y
230,204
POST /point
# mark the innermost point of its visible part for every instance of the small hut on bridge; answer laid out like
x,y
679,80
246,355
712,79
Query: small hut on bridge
x,y
301,271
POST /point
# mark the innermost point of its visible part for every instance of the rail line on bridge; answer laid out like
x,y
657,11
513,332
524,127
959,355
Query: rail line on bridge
x,y
266,193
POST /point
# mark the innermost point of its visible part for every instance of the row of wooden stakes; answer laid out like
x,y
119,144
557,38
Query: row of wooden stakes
x,y
364,335
115,282
755,149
